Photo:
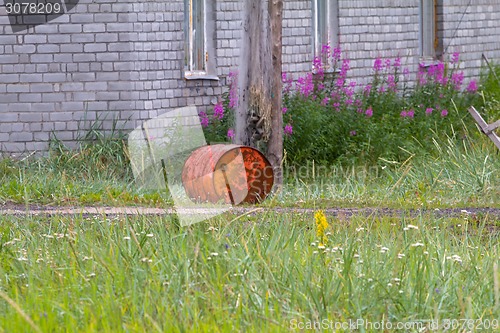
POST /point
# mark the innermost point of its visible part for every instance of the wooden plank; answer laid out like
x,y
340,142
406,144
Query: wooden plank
x,y
492,127
485,127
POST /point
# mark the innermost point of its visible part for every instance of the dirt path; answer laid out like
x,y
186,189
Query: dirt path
x,y
21,210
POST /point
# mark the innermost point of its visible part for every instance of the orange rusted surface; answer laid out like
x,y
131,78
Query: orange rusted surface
x,y
228,174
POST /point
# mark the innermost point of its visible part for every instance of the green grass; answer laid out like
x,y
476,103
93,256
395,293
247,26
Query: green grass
x,y
455,174
247,274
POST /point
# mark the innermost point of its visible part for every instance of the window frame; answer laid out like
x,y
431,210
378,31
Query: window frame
x,y
192,71
330,17
428,36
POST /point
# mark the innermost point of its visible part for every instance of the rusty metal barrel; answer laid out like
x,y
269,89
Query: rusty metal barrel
x,y
227,173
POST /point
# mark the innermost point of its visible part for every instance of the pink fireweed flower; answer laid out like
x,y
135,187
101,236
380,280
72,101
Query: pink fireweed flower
x,y
454,57
358,102
360,110
421,80
325,101
318,67
348,102
219,111
284,110
336,106
340,82
387,63
391,83
369,112
204,119
472,86
457,79
346,65
287,87
305,85
444,113
403,113
368,89
230,133
337,52
348,91
283,77
432,71
377,65
321,86
428,111
288,129
410,113
397,62
325,49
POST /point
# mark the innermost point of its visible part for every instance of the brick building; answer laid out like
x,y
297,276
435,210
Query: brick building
x,y
130,61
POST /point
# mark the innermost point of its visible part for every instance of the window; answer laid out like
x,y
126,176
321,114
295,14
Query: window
x,y
199,41
428,29
325,25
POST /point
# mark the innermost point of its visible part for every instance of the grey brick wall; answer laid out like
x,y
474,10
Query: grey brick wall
x,y
123,60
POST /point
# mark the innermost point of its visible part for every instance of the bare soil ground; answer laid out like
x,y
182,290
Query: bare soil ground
x,y
16,209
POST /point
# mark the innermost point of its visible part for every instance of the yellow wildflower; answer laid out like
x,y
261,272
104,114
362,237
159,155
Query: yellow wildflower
x,y
321,225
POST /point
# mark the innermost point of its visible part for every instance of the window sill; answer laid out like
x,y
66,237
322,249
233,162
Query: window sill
x,y
427,62
200,76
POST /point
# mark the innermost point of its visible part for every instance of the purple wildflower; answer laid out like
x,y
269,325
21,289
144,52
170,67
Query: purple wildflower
x,y
428,111
369,112
406,71
472,87
230,133
284,110
410,113
391,83
337,53
288,129
318,67
403,113
340,82
325,101
204,119
352,133
444,113
397,62
305,85
219,111
368,89
387,63
325,49
454,57
377,65
345,68
457,79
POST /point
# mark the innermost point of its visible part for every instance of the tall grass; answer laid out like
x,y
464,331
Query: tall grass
x,y
260,273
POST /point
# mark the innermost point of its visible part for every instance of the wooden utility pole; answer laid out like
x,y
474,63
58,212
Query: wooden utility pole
x,y
259,120
275,145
